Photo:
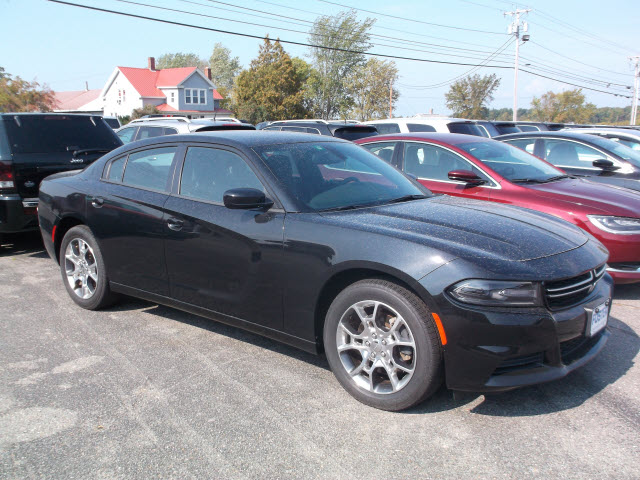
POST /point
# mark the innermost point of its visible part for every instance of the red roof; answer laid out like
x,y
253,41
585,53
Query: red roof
x,y
146,81
76,99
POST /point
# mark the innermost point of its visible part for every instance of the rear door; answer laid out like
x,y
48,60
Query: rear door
x,y
127,217
431,165
227,261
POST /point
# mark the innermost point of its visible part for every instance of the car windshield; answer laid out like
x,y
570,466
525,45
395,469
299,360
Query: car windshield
x,y
512,163
627,153
337,176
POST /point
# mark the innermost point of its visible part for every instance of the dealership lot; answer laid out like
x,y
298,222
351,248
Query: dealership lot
x,y
141,390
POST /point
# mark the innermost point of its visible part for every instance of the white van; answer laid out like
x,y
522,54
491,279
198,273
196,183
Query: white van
x,y
426,123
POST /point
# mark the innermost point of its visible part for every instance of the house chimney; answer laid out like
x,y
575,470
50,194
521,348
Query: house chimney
x,y
152,64
207,72
86,86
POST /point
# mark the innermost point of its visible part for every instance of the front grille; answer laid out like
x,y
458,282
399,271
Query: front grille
x,y
521,362
563,293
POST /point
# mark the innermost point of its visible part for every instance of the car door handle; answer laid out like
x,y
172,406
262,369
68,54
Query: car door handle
x,y
97,202
175,224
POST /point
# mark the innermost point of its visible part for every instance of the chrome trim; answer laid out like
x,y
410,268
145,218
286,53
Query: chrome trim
x,y
588,280
557,295
30,202
616,270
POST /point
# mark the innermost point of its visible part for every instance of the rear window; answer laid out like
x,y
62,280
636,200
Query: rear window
x,y
112,122
528,128
5,152
354,133
504,129
58,133
417,127
465,128
385,128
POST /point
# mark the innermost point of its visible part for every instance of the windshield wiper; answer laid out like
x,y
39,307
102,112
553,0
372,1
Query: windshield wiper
x,y
407,198
526,180
85,151
347,207
553,179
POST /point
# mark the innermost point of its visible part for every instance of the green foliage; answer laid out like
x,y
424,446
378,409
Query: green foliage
x,y
177,60
567,106
141,112
224,67
18,95
124,119
468,97
272,87
369,88
328,85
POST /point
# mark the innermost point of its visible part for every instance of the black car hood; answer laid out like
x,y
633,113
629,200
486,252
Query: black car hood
x,y
469,229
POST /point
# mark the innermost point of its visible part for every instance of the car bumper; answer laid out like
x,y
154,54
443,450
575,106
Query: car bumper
x,y
501,349
18,214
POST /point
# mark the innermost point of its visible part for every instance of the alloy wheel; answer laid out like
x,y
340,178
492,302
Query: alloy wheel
x,y
81,268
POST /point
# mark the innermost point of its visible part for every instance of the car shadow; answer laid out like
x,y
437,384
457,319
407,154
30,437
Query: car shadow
x,y
630,291
28,243
567,393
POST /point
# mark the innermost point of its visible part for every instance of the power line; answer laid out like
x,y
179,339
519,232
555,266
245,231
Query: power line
x,y
409,19
577,61
291,42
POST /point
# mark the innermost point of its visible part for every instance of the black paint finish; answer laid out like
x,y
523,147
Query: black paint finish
x,y
274,271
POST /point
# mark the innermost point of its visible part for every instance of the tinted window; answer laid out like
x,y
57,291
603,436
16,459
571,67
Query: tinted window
x,y
294,129
315,131
115,169
465,128
126,134
418,127
622,151
487,129
271,128
149,132
504,129
433,162
150,168
510,162
383,150
528,128
354,133
170,131
319,185
112,122
384,128
209,172
58,133
526,144
563,153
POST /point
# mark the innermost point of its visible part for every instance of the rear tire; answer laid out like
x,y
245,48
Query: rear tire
x,y
382,345
83,270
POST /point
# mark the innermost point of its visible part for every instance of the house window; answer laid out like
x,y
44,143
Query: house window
x,y
123,96
202,97
172,96
187,95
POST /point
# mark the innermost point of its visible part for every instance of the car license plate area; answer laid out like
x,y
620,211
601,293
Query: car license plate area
x,y
597,319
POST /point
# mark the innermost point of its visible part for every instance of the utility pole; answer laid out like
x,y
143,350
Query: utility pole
x,y
636,87
390,99
514,29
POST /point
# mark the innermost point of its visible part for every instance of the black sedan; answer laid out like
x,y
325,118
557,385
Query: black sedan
x,y
583,155
320,244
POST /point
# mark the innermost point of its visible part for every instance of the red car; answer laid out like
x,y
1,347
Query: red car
x,y
485,169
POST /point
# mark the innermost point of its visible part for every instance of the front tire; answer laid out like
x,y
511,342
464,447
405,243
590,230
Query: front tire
x,y
83,270
382,345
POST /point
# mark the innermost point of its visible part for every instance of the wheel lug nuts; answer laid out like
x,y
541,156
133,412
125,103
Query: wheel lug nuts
x,y
384,354
384,342
367,344
374,335
373,355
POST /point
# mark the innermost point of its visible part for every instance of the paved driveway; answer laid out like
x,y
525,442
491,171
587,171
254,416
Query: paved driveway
x,y
145,391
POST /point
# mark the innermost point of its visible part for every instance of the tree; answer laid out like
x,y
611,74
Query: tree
x,y
177,60
565,107
141,112
18,95
271,89
224,68
468,98
369,88
328,85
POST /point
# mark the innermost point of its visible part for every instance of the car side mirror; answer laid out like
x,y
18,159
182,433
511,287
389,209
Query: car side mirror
x,y
606,165
246,199
466,176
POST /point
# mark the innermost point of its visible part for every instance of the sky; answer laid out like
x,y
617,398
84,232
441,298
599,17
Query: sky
x,y
584,42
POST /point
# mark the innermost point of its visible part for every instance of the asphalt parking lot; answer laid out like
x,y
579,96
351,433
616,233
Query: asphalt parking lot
x,y
146,391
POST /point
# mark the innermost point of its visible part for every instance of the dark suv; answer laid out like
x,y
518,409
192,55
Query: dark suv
x,y
35,145
346,131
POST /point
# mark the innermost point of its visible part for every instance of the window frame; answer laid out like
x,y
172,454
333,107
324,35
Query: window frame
x,y
396,158
494,186
592,168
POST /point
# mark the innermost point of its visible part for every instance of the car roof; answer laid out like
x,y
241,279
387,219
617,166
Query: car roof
x,y
622,131
553,133
239,138
451,138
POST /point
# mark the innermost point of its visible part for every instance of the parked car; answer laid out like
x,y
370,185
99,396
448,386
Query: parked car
x,y
34,145
113,122
527,126
346,130
426,123
625,136
487,297
159,126
599,159
486,169
493,129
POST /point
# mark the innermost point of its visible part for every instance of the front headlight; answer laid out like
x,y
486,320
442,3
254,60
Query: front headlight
x,y
619,225
496,293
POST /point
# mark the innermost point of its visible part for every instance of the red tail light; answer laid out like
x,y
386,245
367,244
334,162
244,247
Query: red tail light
x,y
6,176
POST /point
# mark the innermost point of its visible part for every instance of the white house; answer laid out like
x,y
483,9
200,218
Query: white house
x,y
187,91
